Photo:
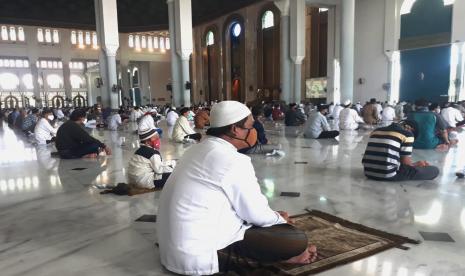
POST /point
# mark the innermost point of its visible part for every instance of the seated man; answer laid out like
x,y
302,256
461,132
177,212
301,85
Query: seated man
x,y
172,116
44,132
146,168
453,116
432,133
262,146
115,121
293,117
348,118
388,155
182,131
73,141
147,122
317,126
370,113
212,202
30,122
202,118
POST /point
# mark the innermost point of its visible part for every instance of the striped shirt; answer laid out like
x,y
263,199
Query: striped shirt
x,y
385,148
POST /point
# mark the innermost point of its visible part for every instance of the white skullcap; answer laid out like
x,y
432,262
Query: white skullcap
x,y
347,102
227,113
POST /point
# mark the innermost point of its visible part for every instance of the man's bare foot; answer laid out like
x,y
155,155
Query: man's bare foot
x,y
308,256
91,155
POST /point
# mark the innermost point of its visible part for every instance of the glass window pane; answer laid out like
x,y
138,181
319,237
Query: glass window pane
x,y
267,20
73,37
60,64
12,33
131,41
21,36
19,63
49,64
80,38
167,43
4,33
137,42
40,35
162,43
26,63
48,36
143,42
88,39
43,64
56,37
94,40
155,42
150,43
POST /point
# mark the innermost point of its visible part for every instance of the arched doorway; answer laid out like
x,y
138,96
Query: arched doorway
x,y
268,57
11,102
210,61
234,65
58,102
79,101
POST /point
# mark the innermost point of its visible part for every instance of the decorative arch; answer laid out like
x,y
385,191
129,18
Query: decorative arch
x,y
211,62
268,52
11,102
79,101
234,59
58,102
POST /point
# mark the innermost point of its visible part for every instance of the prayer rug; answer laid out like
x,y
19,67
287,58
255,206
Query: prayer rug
x,y
338,242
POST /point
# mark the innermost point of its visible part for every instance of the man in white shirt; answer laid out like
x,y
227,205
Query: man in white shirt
x,y
453,116
136,113
211,206
388,115
44,132
114,121
171,117
336,112
182,131
349,118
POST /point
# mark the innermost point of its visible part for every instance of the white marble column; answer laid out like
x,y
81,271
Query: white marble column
x,y
184,43
35,82
67,80
347,50
297,45
107,30
175,62
285,72
90,87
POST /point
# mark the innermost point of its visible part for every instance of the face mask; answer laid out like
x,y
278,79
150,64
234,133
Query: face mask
x,y
155,144
85,121
50,117
251,137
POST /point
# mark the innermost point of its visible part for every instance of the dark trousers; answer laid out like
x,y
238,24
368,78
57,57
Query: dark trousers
x,y
161,182
76,153
415,173
459,124
51,140
276,243
328,134
195,136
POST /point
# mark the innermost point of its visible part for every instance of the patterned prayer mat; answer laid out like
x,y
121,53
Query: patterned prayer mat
x,y
338,242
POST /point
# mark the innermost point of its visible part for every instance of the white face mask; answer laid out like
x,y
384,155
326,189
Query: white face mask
x,y
50,117
85,121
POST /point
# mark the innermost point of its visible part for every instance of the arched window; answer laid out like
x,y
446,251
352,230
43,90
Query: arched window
x,y
137,42
56,37
94,40
80,38
162,43
27,81
12,33
167,43
88,39
48,36
73,37
143,42
131,41
76,81
4,33
267,20
236,29
210,39
150,43
21,36
54,81
8,81
155,42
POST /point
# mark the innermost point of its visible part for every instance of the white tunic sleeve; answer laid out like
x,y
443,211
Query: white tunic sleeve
x,y
243,191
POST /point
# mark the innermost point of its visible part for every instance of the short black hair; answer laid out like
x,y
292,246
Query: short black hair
x,y
225,130
413,125
257,110
322,107
433,106
184,110
46,111
421,103
78,114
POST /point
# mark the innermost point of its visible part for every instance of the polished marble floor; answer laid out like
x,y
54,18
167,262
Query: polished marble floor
x,y
53,221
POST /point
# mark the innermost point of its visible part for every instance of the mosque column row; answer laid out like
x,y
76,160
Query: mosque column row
x,y
107,30
285,72
180,28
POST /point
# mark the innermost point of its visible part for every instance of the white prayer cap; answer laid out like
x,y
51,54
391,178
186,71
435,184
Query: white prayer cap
x,y
227,113
347,102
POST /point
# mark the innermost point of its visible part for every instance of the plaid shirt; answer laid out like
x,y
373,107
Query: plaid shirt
x,y
30,121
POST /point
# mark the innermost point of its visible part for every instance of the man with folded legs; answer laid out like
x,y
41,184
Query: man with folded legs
x,y
212,210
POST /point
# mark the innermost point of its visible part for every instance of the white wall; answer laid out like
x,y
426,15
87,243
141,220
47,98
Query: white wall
x,y
160,75
371,64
